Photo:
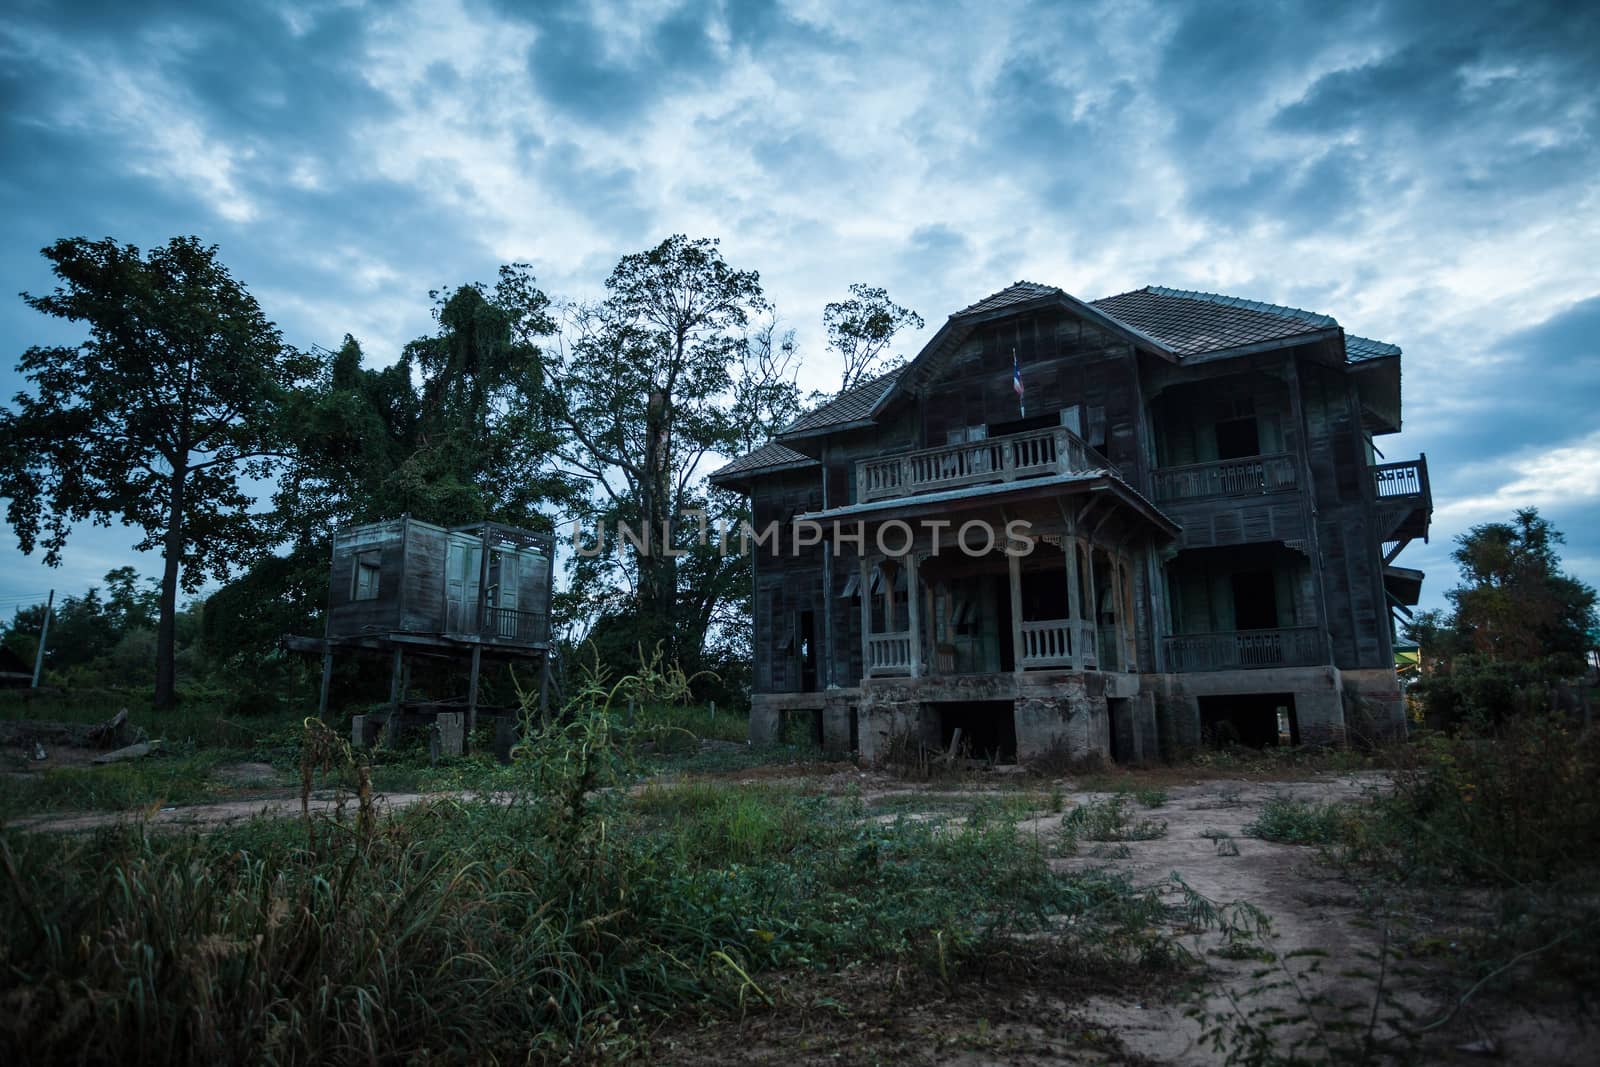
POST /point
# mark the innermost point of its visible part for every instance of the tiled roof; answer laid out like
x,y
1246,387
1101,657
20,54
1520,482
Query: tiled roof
x,y
852,405
768,457
1186,322
1191,323
1020,293
1357,349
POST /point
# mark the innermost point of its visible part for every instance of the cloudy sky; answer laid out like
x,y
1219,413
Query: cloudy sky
x,y
1425,173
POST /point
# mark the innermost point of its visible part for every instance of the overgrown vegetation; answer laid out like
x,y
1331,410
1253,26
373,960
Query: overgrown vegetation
x,y
562,920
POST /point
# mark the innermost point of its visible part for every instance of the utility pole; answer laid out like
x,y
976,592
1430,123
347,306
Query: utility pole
x,y
44,632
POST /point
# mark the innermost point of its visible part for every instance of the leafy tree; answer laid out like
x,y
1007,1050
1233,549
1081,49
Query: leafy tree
x,y
682,360
154,419
1518,626
458,429
861,329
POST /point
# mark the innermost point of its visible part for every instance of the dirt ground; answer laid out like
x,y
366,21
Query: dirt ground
x,y
1050,1017
1037,1013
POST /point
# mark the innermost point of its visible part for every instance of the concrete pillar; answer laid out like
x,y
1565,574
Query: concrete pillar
x,y
765,722
447,728
363,731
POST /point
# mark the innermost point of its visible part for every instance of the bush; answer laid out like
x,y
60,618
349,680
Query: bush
x,y
1491,810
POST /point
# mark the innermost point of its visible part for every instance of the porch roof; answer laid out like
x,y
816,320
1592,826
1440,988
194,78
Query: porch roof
x,y
1098,481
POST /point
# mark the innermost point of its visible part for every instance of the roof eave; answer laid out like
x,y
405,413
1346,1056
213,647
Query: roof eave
x,y
1264,346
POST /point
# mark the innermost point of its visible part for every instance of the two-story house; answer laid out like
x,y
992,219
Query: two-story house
x,y
1118,527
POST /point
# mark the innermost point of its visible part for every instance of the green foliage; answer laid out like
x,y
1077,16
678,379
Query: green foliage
x,y
1504,811
1301,822
1518,628
680,360
1106,820
1151,797
158,420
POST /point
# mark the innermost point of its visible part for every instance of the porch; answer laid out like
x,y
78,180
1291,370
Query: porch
x,y
1065,604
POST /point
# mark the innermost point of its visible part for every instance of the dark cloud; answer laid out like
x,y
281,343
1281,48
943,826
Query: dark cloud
x,y
572,71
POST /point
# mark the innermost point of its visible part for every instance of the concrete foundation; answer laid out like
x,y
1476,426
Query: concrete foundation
x,y
1137,717
1374,705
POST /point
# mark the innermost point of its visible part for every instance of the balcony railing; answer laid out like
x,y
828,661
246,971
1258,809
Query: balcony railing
x,y
1056,450
1296,646
509,624
1228,477
1408,478
889,653
1050,643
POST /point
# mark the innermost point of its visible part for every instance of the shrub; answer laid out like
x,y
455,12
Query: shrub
x,y
1299,822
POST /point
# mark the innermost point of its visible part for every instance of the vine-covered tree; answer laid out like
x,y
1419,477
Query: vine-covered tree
x,y
861,329
156,420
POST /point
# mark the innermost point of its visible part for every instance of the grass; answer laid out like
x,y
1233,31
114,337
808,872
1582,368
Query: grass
x,y
563,924
166,777
1300,822
1106,820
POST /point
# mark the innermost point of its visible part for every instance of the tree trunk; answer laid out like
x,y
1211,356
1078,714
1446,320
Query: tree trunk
x,y
167,624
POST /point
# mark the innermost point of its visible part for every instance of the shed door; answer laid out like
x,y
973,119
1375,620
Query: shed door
x,y
461,584
503,590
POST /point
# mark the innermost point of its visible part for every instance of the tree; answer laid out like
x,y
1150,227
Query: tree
x,y
680,361
152,421
861,329
1517,627
458,429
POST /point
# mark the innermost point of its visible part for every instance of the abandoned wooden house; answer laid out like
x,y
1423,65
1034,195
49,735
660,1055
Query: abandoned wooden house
x,y
405,589
1117,527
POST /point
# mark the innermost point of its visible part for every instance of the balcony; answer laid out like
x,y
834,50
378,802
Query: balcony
x,y
509,624
1405,501
1251,476
1296,646
1036,453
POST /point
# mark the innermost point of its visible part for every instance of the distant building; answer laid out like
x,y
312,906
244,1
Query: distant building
x,y
1211,531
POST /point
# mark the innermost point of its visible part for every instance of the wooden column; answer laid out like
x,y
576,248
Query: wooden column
x,y
544,687
1069,552
1094,603
327,679
914,614
1116,611
865,589
1014,562
472,697
396,669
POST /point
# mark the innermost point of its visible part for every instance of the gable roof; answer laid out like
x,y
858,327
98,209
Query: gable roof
x,y
768,459
853,405
1177,323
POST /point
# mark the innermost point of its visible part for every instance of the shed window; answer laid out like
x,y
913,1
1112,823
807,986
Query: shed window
x,y
368,568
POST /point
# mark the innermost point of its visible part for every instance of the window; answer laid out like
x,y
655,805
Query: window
x,y
368,568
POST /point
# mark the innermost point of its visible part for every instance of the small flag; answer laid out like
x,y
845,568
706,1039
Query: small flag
x,y
1016,384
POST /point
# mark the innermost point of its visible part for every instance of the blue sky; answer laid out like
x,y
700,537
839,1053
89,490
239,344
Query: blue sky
x,y
1424,172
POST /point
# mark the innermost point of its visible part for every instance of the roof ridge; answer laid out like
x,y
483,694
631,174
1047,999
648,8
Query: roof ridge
x,y
1281,310
1036,288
